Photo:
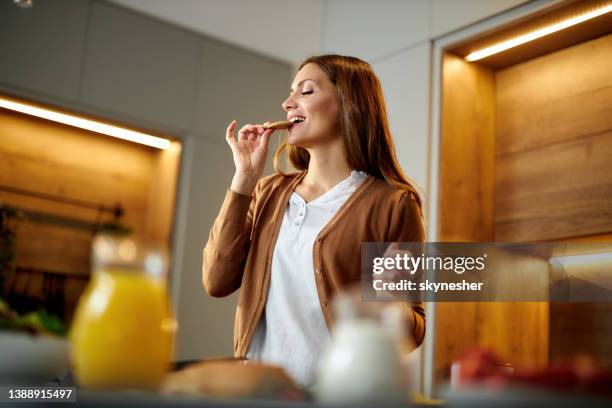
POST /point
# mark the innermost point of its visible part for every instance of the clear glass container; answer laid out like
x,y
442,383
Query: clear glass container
x,y
363,361
122,332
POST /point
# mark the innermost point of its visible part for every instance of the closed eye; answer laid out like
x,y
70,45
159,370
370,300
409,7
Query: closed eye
x,y
306,92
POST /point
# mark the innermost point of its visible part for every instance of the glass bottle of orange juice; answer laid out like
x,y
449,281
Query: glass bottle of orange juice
x,y
122,332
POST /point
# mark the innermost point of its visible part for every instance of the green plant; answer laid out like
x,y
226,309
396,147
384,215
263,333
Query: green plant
x,y
37,322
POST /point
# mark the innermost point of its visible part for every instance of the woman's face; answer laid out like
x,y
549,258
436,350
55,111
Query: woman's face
x,y
313,97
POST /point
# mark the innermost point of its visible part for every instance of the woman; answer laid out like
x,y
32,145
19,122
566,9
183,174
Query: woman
x,y
291,242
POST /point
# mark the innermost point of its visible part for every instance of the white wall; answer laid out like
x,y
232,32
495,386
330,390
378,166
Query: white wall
x,y
405,81
373,29
282,29
450,15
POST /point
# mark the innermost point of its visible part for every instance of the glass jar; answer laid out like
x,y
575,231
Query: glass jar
x,y
363,360
122,332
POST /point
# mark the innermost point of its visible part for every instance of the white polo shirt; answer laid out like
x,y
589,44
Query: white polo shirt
x,y
292,331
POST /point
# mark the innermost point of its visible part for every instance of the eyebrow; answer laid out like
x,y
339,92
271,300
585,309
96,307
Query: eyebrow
x,y
301,82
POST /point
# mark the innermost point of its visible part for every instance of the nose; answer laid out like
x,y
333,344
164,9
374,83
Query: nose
x,y
288,104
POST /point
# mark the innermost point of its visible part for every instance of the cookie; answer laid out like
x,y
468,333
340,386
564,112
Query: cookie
x,y
283,124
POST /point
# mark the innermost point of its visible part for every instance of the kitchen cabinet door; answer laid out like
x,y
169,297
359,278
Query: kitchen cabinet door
x,y
140,67
41,48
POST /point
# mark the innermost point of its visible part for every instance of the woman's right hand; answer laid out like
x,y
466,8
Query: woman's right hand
x,y
250,152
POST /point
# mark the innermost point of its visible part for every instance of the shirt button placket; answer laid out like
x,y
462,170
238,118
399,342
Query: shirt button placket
x,y
317,249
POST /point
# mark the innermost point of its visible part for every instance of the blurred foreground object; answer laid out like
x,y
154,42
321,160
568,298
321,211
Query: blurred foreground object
x,y
31,360
482,368
123,329
363,362
233,378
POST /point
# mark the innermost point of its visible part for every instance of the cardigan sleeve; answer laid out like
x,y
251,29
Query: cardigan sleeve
x,y
228,244
407,226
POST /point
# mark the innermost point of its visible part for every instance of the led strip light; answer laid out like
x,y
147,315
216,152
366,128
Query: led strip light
x,y
503,46
91,125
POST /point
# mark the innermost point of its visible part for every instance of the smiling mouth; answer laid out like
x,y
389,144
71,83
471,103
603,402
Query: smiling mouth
x,y
296,120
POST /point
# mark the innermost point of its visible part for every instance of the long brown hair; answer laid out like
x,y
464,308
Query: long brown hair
x,y
363,122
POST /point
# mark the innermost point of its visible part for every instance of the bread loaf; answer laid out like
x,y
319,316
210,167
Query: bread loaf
x,y
232,378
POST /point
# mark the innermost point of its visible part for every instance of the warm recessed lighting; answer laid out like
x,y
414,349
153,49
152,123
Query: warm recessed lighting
x,y
87,124
503,46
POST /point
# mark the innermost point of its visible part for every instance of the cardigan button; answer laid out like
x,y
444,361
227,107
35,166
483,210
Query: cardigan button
x,y
318,270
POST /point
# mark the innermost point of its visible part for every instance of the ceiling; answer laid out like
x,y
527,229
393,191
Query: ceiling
x,y
289,30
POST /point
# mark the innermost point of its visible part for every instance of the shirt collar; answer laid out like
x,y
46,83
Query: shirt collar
x,y
346,186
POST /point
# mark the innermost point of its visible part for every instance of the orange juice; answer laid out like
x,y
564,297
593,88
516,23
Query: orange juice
x,y
121,336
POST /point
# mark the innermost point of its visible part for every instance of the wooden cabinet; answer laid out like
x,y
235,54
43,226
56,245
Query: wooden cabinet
x,y
67,182
524,157
554,143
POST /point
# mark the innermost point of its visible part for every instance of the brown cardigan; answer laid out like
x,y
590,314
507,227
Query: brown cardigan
x,y
238,253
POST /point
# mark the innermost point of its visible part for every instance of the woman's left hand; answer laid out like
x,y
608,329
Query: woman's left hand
x,y
394,274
